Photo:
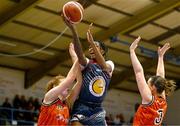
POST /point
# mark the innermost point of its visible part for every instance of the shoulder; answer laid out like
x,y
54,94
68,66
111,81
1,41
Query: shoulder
x,y
109,62
110,66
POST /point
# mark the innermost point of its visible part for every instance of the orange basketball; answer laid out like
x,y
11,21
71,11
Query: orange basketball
x,y
73,11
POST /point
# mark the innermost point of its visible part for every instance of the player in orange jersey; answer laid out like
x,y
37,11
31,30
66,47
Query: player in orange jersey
x,y
153,92
58,100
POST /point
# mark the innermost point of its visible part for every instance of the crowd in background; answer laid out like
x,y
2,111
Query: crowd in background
x,y
26,110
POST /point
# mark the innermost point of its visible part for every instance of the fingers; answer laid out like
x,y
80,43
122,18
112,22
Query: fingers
x,y
89,36
138,39
71,44
90,26
165,47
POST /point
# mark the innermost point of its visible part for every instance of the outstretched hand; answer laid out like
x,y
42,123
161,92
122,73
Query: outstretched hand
x,y
135,44
89,35
162,51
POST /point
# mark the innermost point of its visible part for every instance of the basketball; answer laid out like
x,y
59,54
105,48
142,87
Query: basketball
x,y
73,11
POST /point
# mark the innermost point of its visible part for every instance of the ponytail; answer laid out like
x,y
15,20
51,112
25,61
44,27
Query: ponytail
x,y
170,86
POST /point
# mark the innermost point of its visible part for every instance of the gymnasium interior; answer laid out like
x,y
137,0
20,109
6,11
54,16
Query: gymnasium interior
x,y
31,53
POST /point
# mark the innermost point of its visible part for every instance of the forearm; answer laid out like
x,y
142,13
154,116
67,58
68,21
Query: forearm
x,y
135,63
160,68
73,70
76,89
99,58
78,47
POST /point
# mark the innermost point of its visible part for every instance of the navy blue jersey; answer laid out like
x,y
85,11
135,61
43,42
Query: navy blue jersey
x,y
95,83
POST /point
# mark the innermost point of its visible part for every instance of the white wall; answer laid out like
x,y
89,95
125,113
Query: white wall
x,y
12,82
118,101
173,111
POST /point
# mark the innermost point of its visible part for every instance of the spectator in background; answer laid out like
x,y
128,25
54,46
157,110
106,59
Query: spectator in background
x,y
6,112
117,120
36,104
23,102
109,119
16,101
30,101
6,103
136,106
36,108
122,120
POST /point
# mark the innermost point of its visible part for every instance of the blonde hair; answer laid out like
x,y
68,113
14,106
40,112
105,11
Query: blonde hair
x,y
55,81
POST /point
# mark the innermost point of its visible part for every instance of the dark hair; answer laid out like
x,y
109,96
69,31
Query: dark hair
x,y
55,81
103,46
162,84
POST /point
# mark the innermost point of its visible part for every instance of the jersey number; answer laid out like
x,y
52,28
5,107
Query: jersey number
x,y
158,120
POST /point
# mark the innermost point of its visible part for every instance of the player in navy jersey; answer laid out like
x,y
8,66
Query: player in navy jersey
x,y
96,73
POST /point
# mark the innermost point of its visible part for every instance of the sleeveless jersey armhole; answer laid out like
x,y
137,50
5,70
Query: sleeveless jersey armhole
x,y
49,104
151,102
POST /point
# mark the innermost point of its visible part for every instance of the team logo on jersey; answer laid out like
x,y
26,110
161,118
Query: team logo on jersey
x,y
97,86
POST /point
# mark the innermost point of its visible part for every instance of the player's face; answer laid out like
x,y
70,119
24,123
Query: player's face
x,y
152,87
91,51
149,84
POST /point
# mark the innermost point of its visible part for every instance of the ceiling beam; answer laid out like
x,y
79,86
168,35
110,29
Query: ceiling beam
x,y
11,67
40,28
156,1
123,26
11,13
33,44
57,13
165,35
37,73
112,9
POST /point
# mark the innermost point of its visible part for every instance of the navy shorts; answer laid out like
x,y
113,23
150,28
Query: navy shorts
x,y
88,114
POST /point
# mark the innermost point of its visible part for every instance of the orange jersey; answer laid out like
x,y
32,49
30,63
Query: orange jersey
x,y
152,114
56,113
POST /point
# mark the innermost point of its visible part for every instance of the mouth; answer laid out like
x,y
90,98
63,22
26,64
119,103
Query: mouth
x,y
91,53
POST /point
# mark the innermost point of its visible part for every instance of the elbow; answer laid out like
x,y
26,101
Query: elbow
x,y
139,71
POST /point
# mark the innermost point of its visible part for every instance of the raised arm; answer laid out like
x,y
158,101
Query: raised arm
x,y
99,58
139,74
76,41
59,90
77,87
160,67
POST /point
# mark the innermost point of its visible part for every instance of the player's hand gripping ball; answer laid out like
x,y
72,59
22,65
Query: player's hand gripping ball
x,y
73,11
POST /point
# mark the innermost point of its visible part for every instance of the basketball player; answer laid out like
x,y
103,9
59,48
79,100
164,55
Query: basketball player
x,y
58,101
96,73
153,92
